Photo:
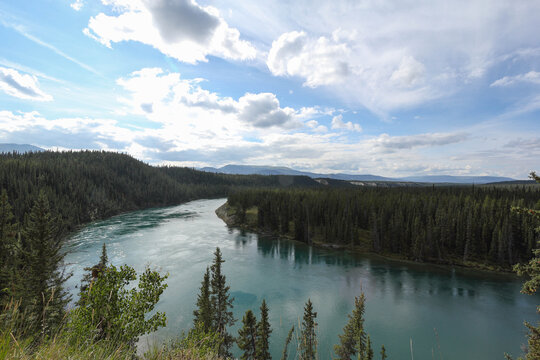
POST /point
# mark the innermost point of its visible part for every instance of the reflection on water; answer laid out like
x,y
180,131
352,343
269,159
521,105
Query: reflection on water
x,y
476,315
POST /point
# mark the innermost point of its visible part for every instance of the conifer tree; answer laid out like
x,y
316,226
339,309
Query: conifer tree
x,y
44,295
369,350
308,337
284,354
8,253
222,304
203,314
247,337
383,353
92,273
263,334
532,269
353,339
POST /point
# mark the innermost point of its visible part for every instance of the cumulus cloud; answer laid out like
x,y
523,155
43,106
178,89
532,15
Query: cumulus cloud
x,y
337,123
22,86
320,61
263,111
153,92
181,29
530,77
393,55
77,5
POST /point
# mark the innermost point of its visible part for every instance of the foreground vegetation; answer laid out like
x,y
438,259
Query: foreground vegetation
x,y
116,306
471,226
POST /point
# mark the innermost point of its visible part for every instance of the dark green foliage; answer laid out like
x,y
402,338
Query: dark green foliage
x,y
8,251
42,293
442,224
263,334
530,287
383,353
221,304
284,355
308,337
353,340
247,337
90,185
110,310
203,315
93,272
369,350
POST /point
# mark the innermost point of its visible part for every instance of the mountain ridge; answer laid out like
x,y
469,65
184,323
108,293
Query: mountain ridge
x,y
282,170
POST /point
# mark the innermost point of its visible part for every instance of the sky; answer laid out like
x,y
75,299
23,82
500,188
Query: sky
x,y
392,88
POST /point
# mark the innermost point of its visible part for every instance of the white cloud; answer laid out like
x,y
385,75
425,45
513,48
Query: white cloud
x,y
337,123
397,55
77,5
159,95
22,86
181,29
412,141
320,61
530,77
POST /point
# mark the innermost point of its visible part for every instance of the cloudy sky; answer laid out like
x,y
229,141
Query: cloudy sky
x,y
392,88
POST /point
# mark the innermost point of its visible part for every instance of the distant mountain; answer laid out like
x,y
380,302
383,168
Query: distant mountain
x,y
19,148
457,179
280,170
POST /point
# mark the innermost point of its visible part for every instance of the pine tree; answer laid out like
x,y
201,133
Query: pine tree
x,y
308,338
353,339
247,337
203,314
263,334
222,304
44,295
284,354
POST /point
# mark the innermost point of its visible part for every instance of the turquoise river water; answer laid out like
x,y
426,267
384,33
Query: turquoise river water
x,y
445,313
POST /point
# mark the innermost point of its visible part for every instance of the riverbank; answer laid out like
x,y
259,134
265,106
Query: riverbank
x,y
228,214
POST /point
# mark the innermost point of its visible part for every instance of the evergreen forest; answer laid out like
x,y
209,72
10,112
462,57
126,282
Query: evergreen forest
x,y
467,225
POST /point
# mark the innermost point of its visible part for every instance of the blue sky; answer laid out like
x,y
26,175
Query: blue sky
x,y
392,88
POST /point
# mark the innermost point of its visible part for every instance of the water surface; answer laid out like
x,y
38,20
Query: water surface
x,y
447,314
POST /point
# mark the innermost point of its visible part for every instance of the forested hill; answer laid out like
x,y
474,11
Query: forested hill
x,y
466,225
91,185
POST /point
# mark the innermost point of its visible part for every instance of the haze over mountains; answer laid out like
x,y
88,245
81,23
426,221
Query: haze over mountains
x,y
19,148
280,170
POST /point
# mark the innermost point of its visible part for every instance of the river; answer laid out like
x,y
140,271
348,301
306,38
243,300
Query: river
x,y
445,313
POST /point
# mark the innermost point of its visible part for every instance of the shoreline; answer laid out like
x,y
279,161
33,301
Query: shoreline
x,y
224,213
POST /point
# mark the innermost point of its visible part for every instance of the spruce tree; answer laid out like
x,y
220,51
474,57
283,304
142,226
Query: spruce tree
x,y
8,254
284,354
308,337
353,338
44,294
383,353
222,304
369,350
203,314
263,334
92,273
247,337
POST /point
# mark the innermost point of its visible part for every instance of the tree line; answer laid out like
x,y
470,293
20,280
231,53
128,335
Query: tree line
x,y
85,186
459,224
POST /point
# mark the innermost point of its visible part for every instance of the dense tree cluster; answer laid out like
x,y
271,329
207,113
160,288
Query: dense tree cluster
x,y
441,224
90,185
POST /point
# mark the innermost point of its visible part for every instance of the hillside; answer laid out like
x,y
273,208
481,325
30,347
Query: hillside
x,y
91,185
19,148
